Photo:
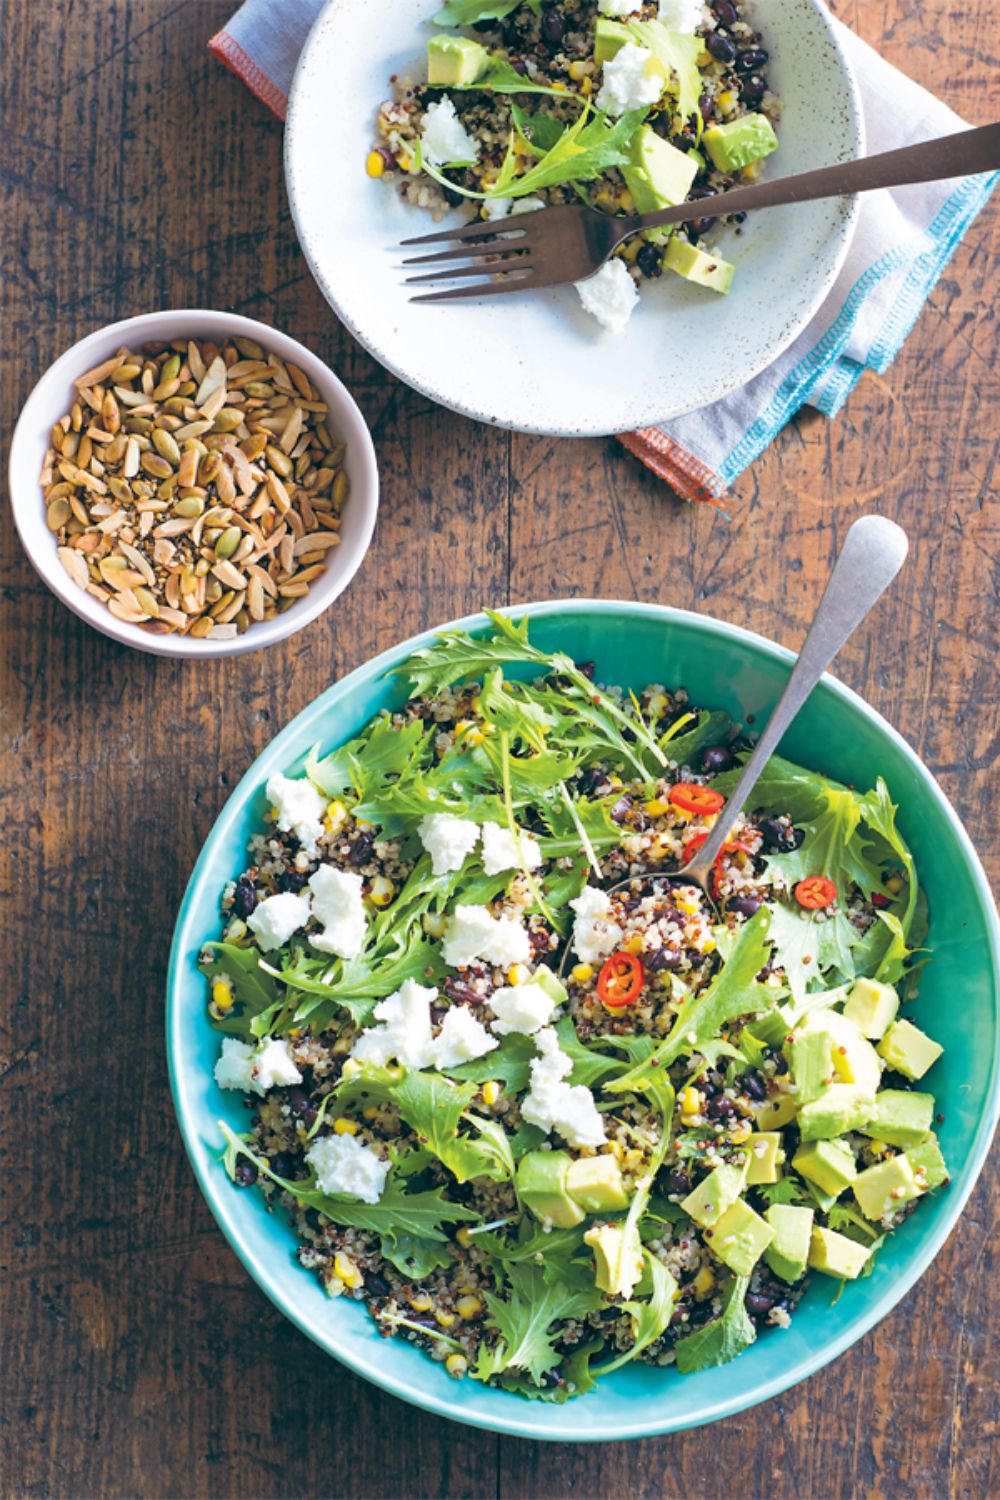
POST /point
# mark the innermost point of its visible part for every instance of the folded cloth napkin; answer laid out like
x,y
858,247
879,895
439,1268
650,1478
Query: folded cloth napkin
x,y
903,241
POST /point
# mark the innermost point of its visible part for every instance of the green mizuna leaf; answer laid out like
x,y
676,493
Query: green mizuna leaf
x,y
526,1319
650,1317
721,1340
257,998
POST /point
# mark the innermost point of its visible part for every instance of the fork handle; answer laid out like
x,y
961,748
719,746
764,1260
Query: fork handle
x,y
959,155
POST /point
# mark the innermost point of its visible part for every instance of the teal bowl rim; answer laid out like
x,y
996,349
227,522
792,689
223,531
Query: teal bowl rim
x,y
525,1425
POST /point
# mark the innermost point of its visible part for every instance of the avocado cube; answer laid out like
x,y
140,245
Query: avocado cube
x,y
881,1189
929,1167
740,1237
595,1182
454,60
854,1060
541,1187
780,1110
829,1164
836,1255
550,983
737,143
700,266
811,1064
839,1108
618,1258
788,1253
908,1050
872,1006
902,1117
609,38
710,1199
765,1157
657,174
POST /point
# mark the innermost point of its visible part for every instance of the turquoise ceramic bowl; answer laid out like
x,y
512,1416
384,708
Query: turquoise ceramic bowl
x,y
836,732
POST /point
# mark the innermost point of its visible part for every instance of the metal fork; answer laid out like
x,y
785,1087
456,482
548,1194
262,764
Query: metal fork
x,y
558,245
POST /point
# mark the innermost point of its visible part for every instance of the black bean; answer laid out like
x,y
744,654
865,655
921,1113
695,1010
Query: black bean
x,y
725,12
245,898
660,959
594,782
361,850
553,25
698,227
720,47
721,1107
758,1303
298,1101
292,880
588,668
754,1085
751,60
780,1065
716,758
621,809
455,989
678,1182
752,88
375,1285
650,260
778,834
705,106
743,906
246,1173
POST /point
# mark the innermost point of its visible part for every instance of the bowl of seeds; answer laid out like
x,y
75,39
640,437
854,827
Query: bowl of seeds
x,y
193,483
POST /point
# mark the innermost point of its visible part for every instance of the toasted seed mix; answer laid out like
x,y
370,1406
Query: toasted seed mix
x,y
195,489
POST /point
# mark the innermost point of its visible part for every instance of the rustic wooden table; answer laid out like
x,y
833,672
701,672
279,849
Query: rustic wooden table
x,y
138,1357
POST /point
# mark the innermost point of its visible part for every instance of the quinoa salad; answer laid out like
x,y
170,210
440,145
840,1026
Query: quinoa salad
x,y
539,1107
629,106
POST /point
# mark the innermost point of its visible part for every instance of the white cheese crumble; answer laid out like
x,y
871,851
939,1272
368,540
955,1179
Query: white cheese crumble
x,y
684,16
632,79
299,806
234,1070
406,1031
242,1067
521,1007
447,840
594,937
274,1067
610,296
472,932
619,7
553,1104
461,1038
274,919
503,850
499,208
343,1165
444,137
339,907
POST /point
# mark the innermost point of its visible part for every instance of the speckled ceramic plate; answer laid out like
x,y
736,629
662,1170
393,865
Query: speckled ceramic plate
x,y
537,362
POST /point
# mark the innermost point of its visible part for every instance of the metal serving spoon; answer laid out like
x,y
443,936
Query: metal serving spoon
x,y
874,550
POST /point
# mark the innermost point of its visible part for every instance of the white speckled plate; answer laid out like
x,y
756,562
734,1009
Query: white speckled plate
x,y
537,362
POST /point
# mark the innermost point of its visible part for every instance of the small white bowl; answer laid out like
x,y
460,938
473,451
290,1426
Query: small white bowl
x,y
52,398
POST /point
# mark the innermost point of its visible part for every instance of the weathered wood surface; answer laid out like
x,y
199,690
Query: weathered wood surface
x,y
138,1357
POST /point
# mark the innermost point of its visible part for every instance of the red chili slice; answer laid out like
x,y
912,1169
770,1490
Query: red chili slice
x,y
621,979
815,892
693,798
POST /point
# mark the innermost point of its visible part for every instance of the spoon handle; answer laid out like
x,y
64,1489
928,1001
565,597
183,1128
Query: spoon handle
x,y
873,553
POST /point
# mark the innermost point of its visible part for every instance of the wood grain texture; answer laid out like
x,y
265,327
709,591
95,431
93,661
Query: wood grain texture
x,y
137,1357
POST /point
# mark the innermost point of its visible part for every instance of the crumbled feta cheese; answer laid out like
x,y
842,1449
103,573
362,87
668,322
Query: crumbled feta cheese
x,y
500,208
619,7
447,840
610,296
521,1007
242,1067
234,1070
274,919
300,807
502,850
461,1038
444,137
343,1165
553,1104
472,932
274,1068
594,937
684,16
406,1034
527,206
632,79
339,907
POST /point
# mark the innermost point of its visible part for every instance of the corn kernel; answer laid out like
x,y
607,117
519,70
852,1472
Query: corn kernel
x,y
345,1268
371,1113
404,162
375,164
708,945
464,1237
364,827
687,904
456,1365
894,885
419,1301
740,1134
335,816
350,1067
582,972
343,1126
433,923
463,726
631,250
726,99
615,781
657,705
656,807
633,944
444,1319
703,1282
751,172
382,891
586,87
690,1101
517,974
468,1308
578,70
475,737
222,994
491,1092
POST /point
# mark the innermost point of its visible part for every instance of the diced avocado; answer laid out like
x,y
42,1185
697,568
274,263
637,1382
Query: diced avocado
x,y
657,174
765,1157
703,267
881,1189
901,1117
810,1062
595,1182
739,142
829,1164
835,1255
541,1186
839,1108
550,983
774,1113
788,1253
929,1166
710,1199
854,1059
872,1006
618,1257
740,1237
908,1050
454,60
609,38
